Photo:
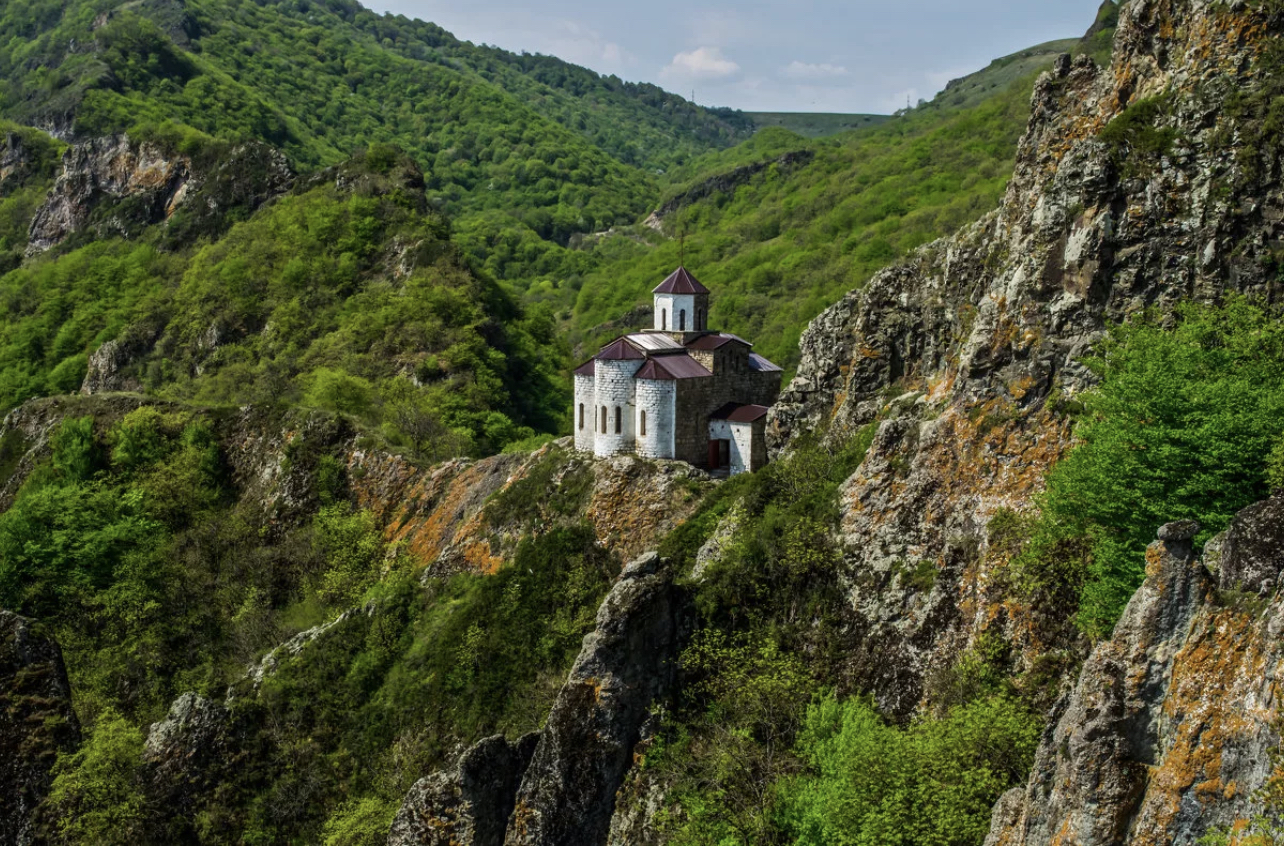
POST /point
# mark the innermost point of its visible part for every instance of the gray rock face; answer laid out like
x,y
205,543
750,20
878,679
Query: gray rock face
x,y
36,723
989,326
109,169
1251,556
1169,730
568,793
1090,771
185,757
470,804
118,187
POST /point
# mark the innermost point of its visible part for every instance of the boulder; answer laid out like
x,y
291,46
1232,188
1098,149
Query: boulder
x,y
1251,555
470,804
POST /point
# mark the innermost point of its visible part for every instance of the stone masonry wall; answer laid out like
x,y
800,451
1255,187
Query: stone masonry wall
x,y
615,390
585,409
657,399
696,398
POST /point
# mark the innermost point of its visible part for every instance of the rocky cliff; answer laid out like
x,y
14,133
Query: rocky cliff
x,y
115,186
1135,187
1170,731
628,664
460,515
36,723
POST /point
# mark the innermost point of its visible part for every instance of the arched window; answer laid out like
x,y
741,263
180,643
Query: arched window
x,y
664,319
619,421
604,420
581,417
682,321
643,423
700,324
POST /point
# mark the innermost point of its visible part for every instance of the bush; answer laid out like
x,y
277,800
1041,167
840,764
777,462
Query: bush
x,y
934,782
75,453
96,796
1178,429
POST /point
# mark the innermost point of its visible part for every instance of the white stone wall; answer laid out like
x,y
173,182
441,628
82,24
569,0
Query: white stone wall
x,y
657,398
586,398
614,388
741,437
673,304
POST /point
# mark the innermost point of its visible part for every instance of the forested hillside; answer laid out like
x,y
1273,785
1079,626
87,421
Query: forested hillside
x,y
290,552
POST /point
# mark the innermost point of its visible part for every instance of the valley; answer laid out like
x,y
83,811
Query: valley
x,y
295,546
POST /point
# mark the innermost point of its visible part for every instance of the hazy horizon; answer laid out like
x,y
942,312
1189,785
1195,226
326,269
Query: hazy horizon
x,y
769,56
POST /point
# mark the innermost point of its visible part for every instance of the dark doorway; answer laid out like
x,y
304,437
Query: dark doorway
x,y
719,454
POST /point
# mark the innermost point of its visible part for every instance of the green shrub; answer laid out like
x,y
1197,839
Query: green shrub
x,y
354,553
96,797
934,782
363,820
75,453
1178,429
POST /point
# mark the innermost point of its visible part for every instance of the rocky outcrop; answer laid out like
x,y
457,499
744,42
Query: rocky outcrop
x,y
116,187
450,519
184,758
981,335
96,177
628,662
1250,556
1169,730
36,723
470,804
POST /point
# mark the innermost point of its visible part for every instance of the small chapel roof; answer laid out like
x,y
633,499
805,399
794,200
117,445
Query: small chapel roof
x,y
714,341
758,363
620,349
736,413
680,282
672,368
589,368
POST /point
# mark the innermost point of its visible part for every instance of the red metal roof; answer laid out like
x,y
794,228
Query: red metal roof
x,y
735,413
620,349
673,367
680,282
589,368
758,363
713,342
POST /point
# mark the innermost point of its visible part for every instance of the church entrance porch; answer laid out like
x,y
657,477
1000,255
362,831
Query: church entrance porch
x,y
720,454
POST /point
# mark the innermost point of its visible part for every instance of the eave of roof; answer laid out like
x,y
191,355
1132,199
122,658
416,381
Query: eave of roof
x,y
758,363
589,368
715,341
736,413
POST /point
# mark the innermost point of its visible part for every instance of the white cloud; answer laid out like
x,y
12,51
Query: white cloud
x,y
583,45
701,63
805,72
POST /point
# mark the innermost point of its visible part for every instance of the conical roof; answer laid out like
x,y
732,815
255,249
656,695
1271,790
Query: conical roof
x,y
680,282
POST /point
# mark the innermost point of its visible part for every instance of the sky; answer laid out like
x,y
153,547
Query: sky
x,y
851,56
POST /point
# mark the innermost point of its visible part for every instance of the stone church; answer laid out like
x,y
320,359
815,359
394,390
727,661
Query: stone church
x,y
678,390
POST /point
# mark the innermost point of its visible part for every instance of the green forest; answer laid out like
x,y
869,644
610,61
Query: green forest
x,y
454,227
